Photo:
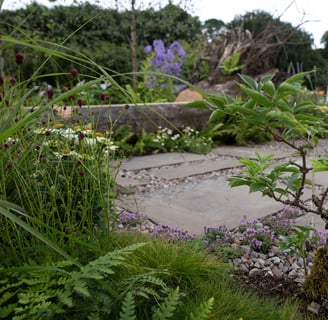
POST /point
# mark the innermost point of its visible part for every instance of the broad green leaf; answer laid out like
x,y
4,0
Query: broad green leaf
x,y
249,81
305,107
284,106
286,89
258,186
216,99
297,77
238,181
229,99
269,88
217,115
273,114
199,104
250,104
320,165
257,96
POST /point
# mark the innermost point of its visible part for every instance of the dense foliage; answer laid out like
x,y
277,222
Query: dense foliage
x,y
105,36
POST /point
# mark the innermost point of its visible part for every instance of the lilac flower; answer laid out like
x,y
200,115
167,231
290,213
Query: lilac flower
x,y
168,61
148,49
177,48
159,46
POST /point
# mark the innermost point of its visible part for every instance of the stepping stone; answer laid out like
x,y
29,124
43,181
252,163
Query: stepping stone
x,y
248,152
191,169
159,160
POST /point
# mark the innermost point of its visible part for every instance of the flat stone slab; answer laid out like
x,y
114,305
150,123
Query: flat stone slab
x,y
205,203
311,220
159,160
248,152
191,169
321,178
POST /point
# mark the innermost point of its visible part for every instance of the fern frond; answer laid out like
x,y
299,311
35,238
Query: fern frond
x,y
167,308
128,308
146,292
7,310
203,311
96,269
80,287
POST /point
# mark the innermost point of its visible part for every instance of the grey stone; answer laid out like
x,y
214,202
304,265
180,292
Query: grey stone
x,y
277,272
254,271
243,268
314,307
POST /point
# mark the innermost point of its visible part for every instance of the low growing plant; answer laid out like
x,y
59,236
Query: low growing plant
x,y
296,123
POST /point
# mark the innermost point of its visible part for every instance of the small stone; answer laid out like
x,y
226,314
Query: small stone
x,y
243,268
299,279
276,260
246,249
275,250
254,271
267,263
277,272
269,273
236,261
314,307
292,274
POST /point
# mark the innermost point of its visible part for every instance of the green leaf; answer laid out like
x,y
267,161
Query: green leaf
x,y
238,181
297,77
257,96
320,165
249,81
168,306
269,88
216,100
128,308
203,311
258,186
198,104
217,115
285,89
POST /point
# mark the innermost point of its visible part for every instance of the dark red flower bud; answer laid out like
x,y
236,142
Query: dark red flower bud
x,y
19,58
2,80
74,72
9,166
102,96
13,81
50,93
79,103
81,135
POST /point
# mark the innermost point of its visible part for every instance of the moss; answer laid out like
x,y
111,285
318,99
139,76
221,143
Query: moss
x,y
316,283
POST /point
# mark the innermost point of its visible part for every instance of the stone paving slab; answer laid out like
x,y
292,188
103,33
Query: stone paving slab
x,y
321,178
311,220
248,152
205,203
191,169
208,202
159,160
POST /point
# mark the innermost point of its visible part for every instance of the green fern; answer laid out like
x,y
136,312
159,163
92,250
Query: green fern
x,y
46,292
128,308
203,311
167,308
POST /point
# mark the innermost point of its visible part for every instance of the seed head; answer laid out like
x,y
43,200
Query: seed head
x,y
19,58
